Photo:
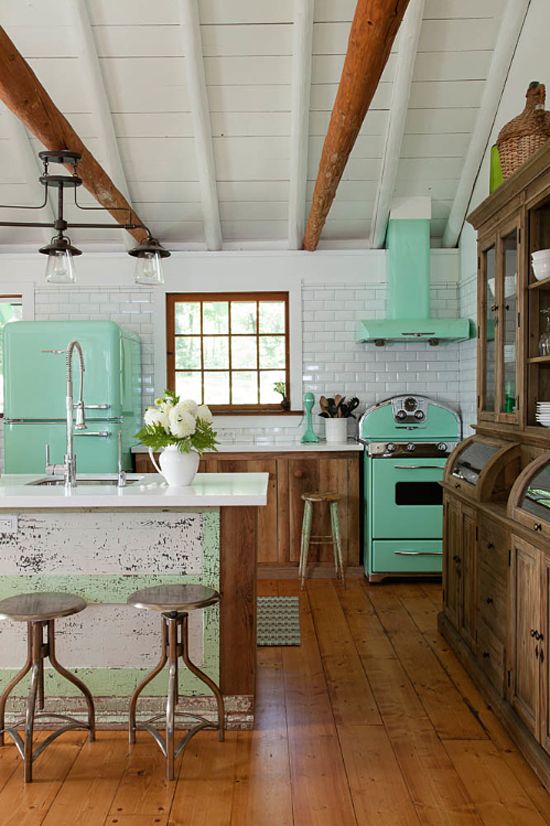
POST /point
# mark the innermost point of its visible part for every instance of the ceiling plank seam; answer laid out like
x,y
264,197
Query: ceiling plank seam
x,y
200,112
399,106
299,128
506,43
96,94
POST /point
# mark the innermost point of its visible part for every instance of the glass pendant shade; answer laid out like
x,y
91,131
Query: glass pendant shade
x,y
60,267
148,269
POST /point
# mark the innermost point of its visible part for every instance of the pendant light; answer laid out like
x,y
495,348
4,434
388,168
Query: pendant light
x,y
149,257
60,266
60,251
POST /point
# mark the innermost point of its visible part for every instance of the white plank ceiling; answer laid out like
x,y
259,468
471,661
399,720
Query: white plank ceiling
x,y
247,54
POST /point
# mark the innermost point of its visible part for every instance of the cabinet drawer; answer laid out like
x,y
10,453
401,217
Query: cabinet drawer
x,y
420,556
492,602
490,652
493,545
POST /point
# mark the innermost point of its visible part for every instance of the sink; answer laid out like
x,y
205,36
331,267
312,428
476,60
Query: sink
x,y
55,481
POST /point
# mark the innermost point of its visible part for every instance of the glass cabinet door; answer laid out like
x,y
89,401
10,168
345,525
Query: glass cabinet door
x,y
509,329
488,330
499,391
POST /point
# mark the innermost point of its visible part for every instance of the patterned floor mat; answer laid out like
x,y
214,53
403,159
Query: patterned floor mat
x,y
278,621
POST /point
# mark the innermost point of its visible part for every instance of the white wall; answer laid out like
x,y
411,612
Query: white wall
x,y
330,291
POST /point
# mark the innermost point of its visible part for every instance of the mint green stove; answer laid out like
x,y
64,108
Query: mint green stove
x,y
407,442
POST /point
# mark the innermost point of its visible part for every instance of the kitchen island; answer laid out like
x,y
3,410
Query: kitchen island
x,y
103,542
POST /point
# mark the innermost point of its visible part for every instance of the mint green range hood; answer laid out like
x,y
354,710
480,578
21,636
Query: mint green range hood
x,y
408,243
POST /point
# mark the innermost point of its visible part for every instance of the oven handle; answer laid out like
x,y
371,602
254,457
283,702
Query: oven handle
x,y
418,467
417,553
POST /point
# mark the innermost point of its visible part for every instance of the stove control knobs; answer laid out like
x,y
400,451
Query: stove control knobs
x,y
390,447
411,447
442,447
419,415
401,415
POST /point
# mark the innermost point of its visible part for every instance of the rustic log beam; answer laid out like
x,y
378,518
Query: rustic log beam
x,y
373,30
23,93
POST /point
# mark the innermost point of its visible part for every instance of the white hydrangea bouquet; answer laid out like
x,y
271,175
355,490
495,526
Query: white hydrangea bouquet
x,y
182,423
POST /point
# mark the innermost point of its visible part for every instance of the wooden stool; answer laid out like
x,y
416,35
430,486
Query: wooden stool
x,y
332,499
40,611
174,602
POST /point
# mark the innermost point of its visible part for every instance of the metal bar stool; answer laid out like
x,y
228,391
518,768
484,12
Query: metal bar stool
x,y
174,602
334,538
40,611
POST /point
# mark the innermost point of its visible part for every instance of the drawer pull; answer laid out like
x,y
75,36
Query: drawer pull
x,y
456,558
418,467
417,553
485,655
537,526
533,632
489,600
490,546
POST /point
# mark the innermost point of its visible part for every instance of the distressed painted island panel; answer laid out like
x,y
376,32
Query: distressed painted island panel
x,y
104,556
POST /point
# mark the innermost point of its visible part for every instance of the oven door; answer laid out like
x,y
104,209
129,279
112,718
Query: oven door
x,y
406,498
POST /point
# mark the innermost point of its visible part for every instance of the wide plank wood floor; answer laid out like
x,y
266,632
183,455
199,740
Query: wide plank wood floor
x,y
370,722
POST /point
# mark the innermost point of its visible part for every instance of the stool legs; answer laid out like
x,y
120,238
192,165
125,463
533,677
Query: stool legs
x,y
15,681
304,548
151,676
175,644
336,541
38,650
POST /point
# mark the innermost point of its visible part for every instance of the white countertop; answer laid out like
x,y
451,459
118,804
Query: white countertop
x,y
149,491
276,447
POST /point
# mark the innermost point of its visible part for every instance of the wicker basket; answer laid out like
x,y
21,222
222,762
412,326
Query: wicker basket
x,y
526,133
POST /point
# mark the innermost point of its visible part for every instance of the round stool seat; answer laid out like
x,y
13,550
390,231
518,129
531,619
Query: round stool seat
x,y
40,607
321,496
169,598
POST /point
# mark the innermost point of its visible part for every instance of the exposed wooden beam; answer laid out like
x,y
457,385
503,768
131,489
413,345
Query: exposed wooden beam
x,y
97,100
373,30
299,129
507,40
401,91
23,93
200,112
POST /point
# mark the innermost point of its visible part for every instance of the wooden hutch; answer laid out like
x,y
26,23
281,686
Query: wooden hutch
x,y
496,598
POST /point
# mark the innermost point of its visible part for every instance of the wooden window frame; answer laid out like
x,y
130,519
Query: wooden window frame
x,y
265,295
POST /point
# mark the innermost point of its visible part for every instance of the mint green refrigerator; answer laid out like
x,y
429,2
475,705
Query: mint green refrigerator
x,y
35,389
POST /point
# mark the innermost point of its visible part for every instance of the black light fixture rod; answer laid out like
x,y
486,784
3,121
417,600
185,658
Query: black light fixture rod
x,y
26,224
22,206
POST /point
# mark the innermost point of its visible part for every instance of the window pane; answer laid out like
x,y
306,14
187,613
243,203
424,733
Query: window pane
x,y
243,352
216,352
245,388
216,388
8,312
272,317
215,317
243,316
188,353
188,386
272,351
188,317
267,380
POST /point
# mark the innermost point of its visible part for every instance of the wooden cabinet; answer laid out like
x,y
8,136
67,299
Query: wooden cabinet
x,y
525,676
509,493
459,579
290,475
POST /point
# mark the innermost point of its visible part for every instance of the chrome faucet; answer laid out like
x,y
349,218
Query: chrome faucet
x,y
69,464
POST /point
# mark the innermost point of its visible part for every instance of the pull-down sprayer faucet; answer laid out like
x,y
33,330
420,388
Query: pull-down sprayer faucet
x,y
69,464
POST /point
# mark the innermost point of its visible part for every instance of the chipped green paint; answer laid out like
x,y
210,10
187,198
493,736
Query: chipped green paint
x,y
115,589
